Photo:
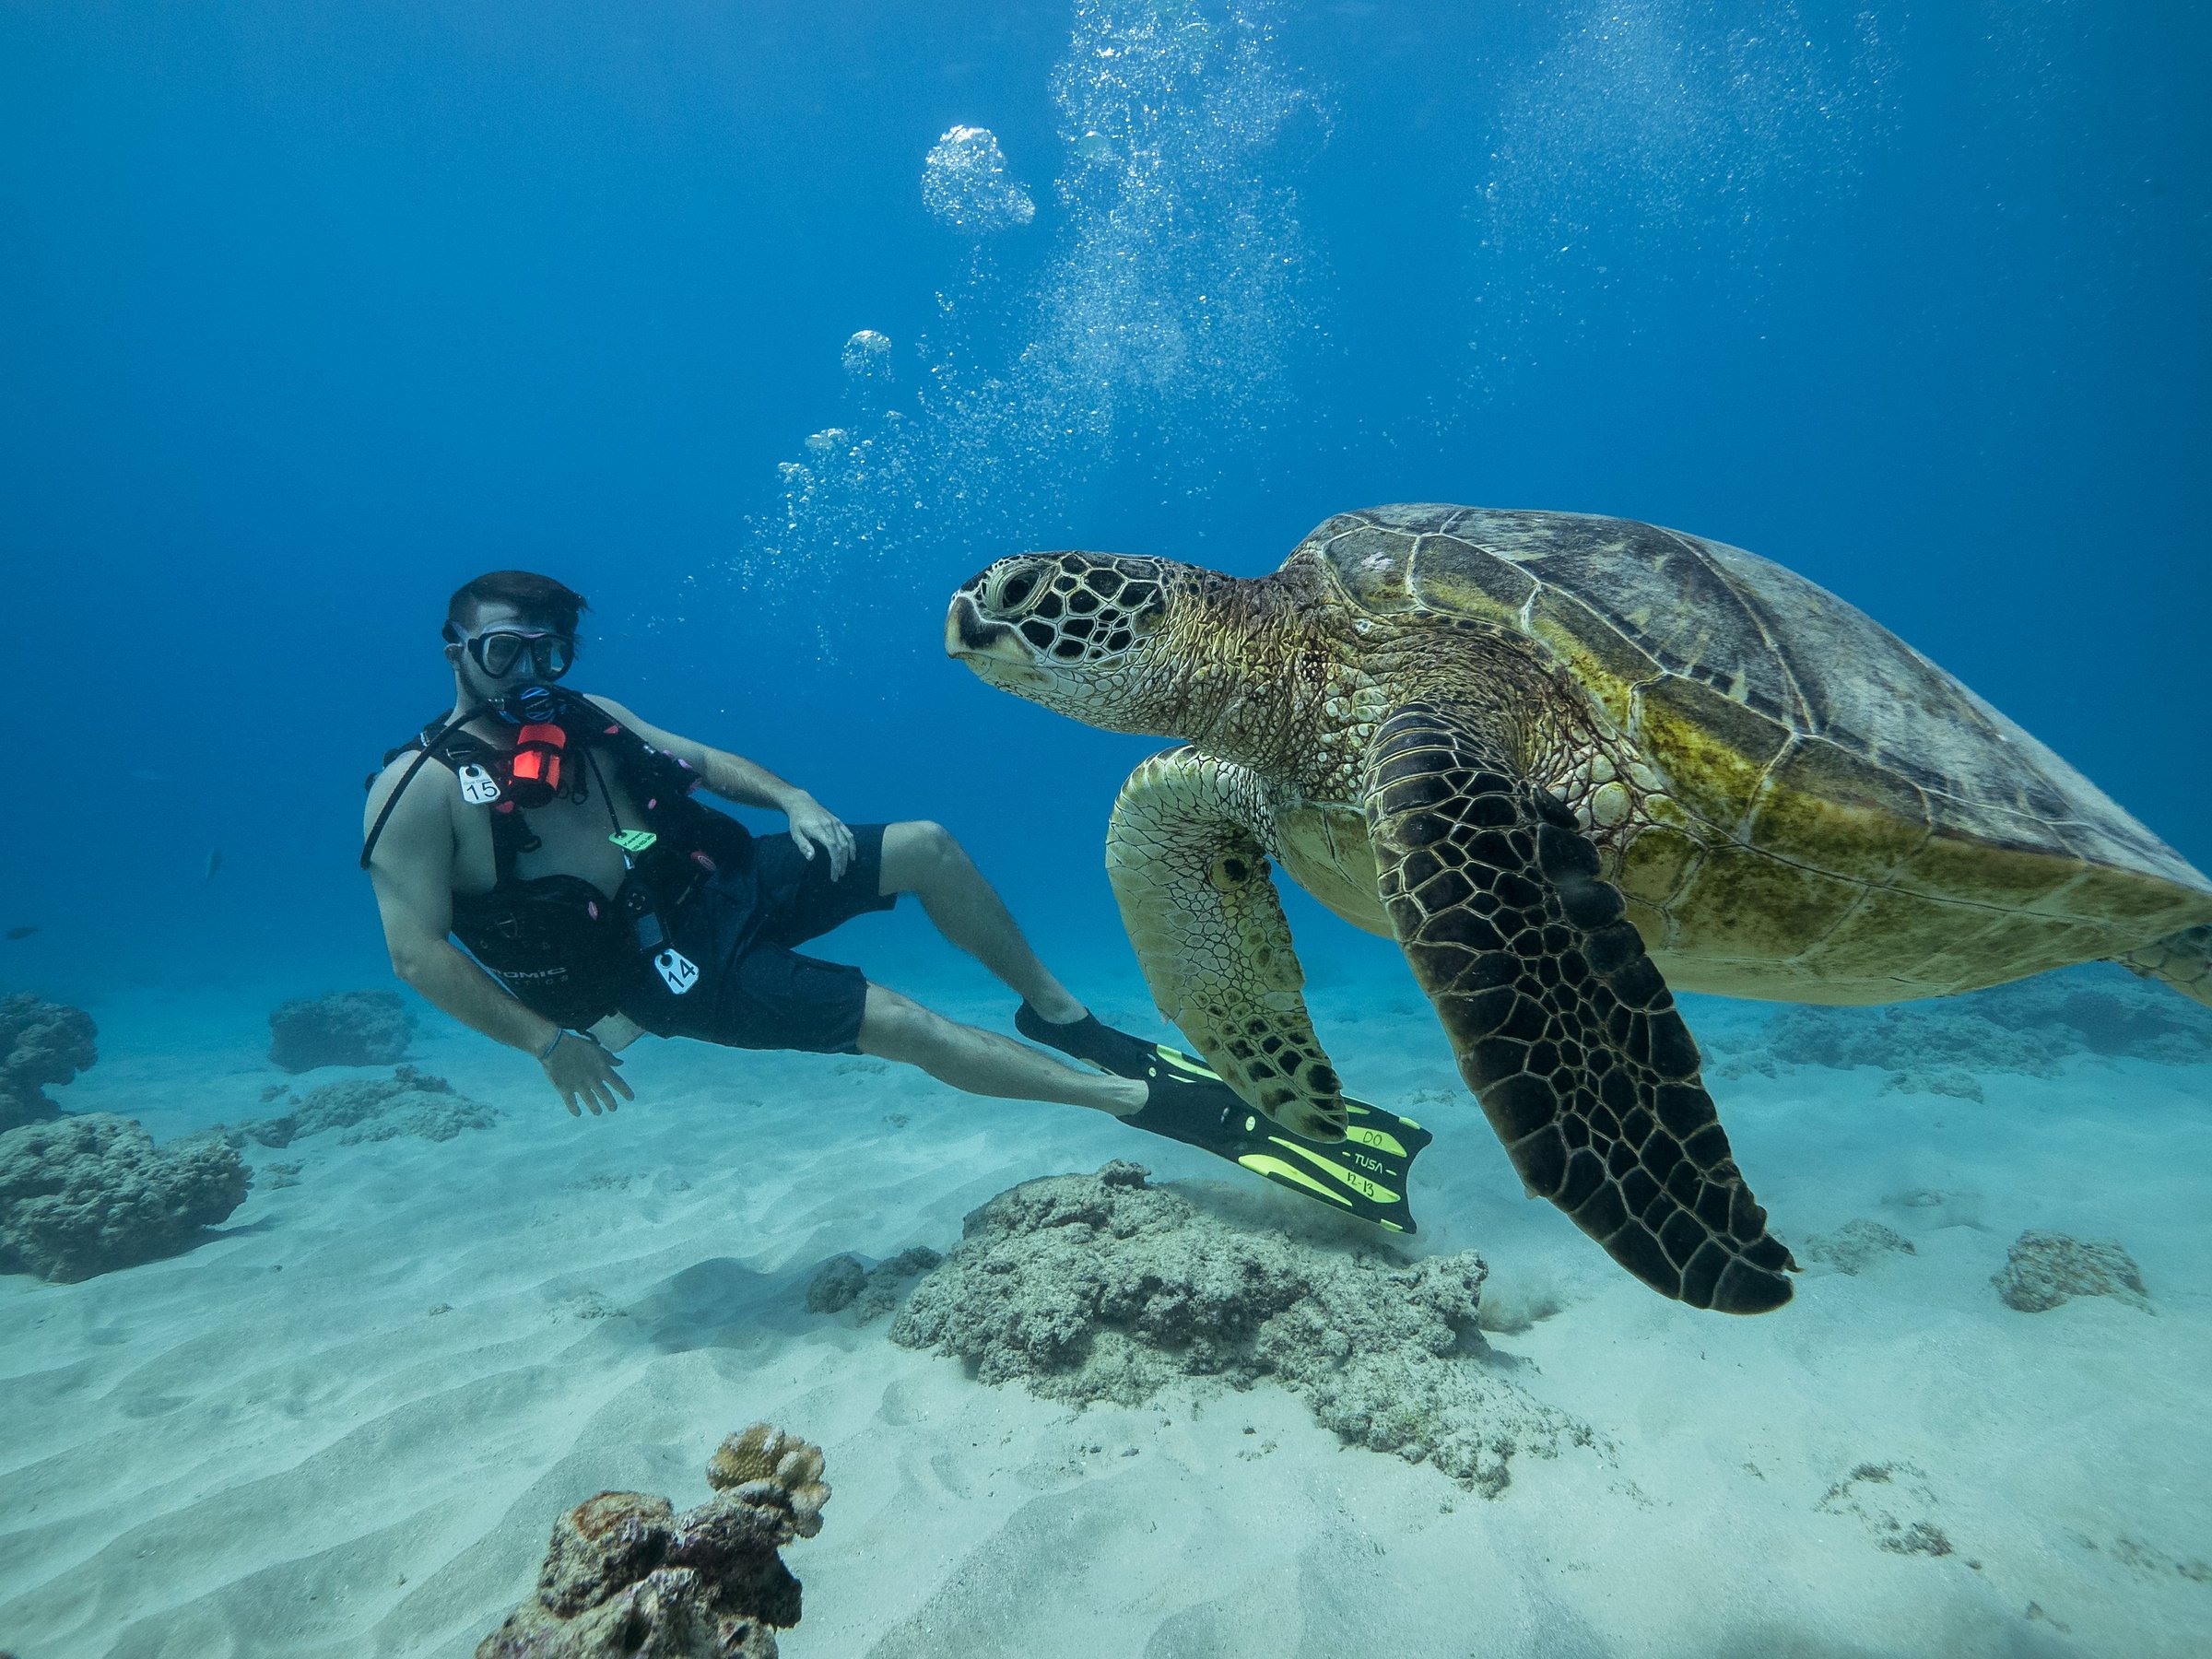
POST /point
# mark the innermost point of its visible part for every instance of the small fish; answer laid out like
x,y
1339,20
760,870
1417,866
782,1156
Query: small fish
x,y
22,933
215,862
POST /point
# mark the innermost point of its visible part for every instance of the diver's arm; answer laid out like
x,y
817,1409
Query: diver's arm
x,y
413,874
733,778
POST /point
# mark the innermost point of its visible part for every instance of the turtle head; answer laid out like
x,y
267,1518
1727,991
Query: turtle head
x,y
1091,635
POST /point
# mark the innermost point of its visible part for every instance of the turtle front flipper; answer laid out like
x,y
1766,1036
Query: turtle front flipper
x,y
1561,1023
1199,901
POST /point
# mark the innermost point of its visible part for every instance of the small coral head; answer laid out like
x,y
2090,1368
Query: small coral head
x,y
757,1454
1091,635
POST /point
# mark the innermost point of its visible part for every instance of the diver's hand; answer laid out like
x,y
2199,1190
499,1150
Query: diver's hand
x,y
583,1071
814,825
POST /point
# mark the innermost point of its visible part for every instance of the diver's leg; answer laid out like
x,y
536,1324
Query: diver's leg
x,y
921,858
896,1028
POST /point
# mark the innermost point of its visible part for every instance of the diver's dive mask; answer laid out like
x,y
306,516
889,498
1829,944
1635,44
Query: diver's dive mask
x,y
500,651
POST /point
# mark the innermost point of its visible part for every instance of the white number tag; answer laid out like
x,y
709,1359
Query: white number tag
x,y
677,970
477,787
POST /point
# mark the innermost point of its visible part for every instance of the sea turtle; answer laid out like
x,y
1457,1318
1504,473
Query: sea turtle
x,y
1567,761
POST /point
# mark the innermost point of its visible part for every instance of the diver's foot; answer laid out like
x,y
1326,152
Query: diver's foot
x,y
1065,1011
1200,1114
1094,1043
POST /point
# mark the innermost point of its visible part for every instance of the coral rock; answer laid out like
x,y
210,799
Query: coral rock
x,y
1857,1245
2032,1026
347,1027
2043,1269
762,1455
1102,1287
870,1292
41,1044
626,1575
87,1195
374,1109
603,1543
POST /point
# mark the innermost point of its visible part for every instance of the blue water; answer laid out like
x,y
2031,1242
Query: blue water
x,y
310,313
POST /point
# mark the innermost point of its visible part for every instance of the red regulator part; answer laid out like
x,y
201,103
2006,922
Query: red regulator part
x,y
536,766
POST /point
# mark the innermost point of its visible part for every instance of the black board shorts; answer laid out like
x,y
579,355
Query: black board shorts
x,y
738,927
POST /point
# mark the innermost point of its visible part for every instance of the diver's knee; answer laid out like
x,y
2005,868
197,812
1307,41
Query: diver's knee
x,y
920,851
897,1027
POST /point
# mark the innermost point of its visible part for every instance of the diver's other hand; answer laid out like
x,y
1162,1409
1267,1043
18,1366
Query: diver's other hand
x,y
814,825
582,1070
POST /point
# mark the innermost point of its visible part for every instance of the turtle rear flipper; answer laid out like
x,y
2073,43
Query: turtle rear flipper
x,y
1563,1025
1199,898
2184,960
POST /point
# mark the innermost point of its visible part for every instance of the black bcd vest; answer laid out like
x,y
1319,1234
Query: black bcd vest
x,y
554,941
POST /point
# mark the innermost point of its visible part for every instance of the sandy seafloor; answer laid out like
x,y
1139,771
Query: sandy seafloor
x,y
345,1424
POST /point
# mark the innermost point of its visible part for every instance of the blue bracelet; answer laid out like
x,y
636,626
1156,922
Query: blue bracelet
x,y
542,1058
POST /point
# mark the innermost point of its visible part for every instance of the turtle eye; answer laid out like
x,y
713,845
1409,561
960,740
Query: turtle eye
x,y
1012,591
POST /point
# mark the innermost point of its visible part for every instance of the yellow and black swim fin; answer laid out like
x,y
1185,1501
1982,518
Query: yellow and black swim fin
x,y
1364,1174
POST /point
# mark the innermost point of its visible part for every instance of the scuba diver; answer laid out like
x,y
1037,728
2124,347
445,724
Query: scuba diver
x,y
558,837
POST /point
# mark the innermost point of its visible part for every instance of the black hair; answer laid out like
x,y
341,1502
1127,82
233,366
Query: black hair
x,y
539,601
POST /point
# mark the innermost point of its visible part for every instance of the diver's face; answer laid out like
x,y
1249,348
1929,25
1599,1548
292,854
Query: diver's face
x,y
500,653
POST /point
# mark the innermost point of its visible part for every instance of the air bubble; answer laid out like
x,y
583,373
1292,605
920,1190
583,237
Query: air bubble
x,y
1157,329
867,354
964,182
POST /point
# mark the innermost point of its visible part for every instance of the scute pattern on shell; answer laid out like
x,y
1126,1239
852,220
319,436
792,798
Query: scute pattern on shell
x,y
1800,804
1665,603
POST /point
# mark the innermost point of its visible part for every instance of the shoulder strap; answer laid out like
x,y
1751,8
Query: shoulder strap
x,y
434,744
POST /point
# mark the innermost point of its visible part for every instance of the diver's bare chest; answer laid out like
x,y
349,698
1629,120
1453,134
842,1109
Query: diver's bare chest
x,y
569,837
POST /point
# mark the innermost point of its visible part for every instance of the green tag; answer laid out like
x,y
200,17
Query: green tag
x,y
634,840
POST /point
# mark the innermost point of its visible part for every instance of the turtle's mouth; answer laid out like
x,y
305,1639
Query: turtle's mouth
x,y
990,648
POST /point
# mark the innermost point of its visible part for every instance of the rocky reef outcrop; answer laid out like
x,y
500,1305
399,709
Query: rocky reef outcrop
x,y
871,1292
2033,1027
88,1194
374,1109
347,1028
2043,1269
1103,1287
1856,1245
626,1577
43,1045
